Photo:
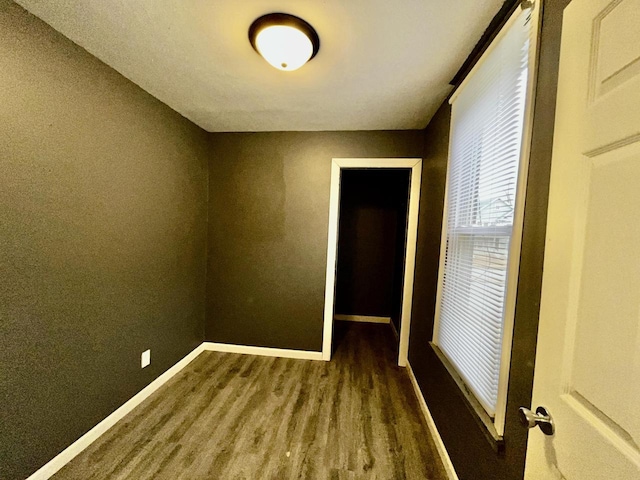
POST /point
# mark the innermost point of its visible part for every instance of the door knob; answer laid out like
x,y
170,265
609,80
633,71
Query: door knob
x,y
541,418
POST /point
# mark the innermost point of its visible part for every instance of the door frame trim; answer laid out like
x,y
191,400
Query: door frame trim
x,y
337,165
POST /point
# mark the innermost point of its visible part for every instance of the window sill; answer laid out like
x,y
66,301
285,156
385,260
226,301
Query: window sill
x,y
483,420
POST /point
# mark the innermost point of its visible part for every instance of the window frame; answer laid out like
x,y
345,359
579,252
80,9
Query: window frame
x,y
495,425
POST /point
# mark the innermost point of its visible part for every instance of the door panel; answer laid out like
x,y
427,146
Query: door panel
x,y
609,292
588,360
611,33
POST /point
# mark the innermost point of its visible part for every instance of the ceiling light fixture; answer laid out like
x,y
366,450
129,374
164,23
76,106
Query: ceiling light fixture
x,y
285,41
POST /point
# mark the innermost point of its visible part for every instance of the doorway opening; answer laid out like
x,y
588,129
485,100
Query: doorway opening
x,y
372,230
373,219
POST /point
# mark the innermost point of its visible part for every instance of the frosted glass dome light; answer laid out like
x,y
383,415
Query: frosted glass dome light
x,y
284,41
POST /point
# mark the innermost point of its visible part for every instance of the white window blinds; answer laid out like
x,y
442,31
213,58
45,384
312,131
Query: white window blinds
x,y
486,138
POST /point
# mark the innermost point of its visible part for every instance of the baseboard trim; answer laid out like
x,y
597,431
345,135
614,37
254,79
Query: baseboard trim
x,y
362,318
262,351
69,453
437,439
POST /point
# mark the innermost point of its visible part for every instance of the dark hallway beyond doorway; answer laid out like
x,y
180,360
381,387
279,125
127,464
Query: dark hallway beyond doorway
x,y
372,242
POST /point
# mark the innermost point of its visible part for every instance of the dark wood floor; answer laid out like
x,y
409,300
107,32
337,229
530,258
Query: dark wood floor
x,y
229,416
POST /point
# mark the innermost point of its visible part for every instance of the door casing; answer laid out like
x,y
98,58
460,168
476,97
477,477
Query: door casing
x,y
337,165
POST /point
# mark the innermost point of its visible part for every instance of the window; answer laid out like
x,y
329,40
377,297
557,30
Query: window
x,y
483,215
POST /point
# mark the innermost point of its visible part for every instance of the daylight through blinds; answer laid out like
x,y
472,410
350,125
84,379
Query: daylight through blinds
x,y
486,137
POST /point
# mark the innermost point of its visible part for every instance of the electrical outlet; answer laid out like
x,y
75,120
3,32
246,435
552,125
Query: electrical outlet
x,y
145,358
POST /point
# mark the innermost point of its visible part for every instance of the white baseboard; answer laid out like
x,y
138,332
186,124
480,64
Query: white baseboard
x,y
437,439
362,318
262,351
69,453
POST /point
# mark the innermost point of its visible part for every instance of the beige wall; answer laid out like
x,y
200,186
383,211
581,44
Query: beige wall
x,y
102,240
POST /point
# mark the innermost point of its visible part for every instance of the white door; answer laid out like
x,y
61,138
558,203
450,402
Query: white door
x,y
587,372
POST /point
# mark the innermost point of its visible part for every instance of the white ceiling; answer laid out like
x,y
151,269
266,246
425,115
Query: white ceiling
x,y
382,64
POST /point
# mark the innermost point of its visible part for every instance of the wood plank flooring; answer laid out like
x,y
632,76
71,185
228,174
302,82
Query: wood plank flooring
x,y
230,416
